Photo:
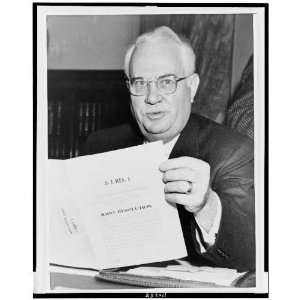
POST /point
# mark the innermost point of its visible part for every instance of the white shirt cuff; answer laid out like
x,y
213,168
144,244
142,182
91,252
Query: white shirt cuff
x,y
210,237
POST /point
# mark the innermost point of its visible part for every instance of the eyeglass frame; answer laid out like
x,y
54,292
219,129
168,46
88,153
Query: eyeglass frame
x,y
129,80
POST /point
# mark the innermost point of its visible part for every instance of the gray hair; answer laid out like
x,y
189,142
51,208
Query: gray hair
x,y
164,34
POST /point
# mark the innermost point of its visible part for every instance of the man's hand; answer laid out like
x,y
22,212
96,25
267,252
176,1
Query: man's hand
x,y
186,182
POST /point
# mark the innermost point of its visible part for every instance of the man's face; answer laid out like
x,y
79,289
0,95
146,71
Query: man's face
x,y
161,116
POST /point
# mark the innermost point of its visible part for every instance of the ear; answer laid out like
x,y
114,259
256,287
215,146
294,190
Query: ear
x,y
193,83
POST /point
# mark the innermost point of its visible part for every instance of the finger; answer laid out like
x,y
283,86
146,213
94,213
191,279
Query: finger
x,y
192,209
183,199
177,187
181,162
182,174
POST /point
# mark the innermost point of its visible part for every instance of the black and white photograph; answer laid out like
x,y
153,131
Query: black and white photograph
x,y
151,150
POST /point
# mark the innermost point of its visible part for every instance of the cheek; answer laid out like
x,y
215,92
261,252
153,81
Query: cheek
x,y
137,107
175,104
180,107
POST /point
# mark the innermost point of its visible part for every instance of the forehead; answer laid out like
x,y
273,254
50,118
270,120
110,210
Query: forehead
x,y
154,59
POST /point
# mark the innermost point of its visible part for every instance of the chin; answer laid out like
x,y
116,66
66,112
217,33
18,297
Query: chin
x,y
156,135
156,129
158,126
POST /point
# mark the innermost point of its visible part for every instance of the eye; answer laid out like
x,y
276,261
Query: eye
x,y
166,82
140,83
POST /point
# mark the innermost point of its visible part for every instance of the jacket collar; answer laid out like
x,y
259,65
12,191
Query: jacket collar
x,y
187,143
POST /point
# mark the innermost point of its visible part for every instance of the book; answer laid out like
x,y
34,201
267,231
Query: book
x,y
108,210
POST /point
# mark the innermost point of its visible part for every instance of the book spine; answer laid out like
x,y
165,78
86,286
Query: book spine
x,y
86,120
59,118
80,120
93,127
50,120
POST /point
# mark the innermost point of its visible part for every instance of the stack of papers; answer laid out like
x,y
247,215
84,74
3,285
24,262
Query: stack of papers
x,y
219,276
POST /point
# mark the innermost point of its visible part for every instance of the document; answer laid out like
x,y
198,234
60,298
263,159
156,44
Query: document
x,y
108,210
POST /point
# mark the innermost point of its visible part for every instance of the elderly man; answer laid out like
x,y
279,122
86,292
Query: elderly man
x,y
209,173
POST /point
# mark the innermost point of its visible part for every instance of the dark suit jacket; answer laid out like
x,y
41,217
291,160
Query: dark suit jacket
x,y
230,156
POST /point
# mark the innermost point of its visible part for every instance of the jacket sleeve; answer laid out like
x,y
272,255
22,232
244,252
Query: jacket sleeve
x,y
234,183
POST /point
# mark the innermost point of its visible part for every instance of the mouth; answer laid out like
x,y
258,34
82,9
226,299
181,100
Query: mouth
x,y
155,115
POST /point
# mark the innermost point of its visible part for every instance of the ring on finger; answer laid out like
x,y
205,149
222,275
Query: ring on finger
x,y
190,188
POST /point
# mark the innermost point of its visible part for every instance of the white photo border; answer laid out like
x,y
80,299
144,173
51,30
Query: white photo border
x,y
42,278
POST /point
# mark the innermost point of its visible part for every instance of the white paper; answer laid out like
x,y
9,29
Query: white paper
x,y
121,208
69,243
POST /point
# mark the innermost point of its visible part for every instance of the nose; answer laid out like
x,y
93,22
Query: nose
x,y
152,96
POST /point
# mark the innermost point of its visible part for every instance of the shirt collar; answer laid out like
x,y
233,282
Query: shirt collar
x,y
168,147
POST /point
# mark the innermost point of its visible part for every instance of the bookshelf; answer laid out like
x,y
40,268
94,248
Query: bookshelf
x,y
80,102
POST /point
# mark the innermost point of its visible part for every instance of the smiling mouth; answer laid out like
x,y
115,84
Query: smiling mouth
x,y
155,115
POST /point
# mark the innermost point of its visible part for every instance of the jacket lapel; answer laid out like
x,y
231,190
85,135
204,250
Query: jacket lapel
x,y
187,143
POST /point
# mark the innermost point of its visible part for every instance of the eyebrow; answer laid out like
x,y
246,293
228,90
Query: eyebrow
x,y
164,75
134,78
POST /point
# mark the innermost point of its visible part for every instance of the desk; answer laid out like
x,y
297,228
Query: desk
x,y
60,280
83,282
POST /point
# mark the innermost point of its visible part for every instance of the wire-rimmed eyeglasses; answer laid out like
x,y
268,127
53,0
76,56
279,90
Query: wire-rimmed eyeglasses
x,y
166,84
